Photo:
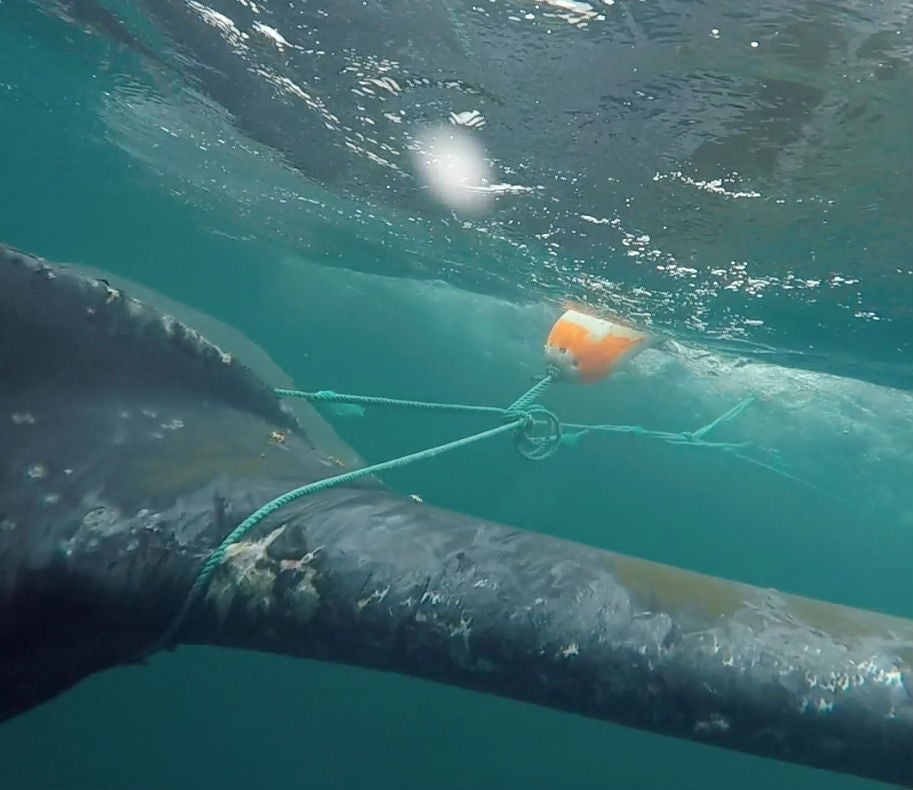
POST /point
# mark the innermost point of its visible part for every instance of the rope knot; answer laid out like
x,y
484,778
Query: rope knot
x,y
538,433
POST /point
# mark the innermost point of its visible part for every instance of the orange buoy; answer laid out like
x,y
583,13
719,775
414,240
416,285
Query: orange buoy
x,y
584,348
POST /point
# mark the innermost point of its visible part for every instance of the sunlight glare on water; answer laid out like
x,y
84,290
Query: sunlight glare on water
x,y
452,164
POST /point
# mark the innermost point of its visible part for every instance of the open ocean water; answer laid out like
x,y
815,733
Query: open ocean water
x,y
737,178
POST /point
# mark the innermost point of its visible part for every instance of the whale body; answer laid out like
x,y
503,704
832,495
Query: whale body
x,y
131,445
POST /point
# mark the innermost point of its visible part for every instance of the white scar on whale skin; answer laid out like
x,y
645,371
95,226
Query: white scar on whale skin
x,y
247,575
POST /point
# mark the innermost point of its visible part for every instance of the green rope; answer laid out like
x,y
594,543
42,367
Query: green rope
x,y
532,394
734,412
328,396
787,475
693,438
524,419
538,435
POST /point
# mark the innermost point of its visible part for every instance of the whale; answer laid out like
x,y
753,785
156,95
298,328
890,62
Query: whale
x,y
133,441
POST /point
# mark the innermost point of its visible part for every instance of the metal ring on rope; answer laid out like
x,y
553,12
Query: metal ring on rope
x,y
539,434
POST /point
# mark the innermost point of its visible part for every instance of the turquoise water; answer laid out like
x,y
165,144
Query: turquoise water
x,y
356,283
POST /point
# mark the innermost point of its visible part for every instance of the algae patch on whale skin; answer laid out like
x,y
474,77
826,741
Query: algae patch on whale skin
x,y
846,623
653,586
188,463
657,586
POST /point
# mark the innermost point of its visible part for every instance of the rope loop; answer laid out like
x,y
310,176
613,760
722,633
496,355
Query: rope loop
x,y
538,434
